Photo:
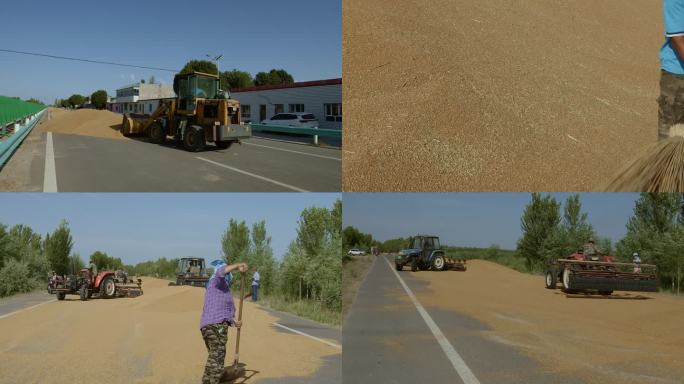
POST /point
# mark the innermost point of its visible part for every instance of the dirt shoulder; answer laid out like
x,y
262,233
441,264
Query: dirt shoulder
x,y
85,122
628,338
150,339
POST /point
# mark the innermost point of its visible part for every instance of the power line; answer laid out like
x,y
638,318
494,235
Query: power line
x,y
87,60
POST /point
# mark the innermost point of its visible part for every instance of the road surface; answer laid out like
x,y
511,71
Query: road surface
x,y
501,326
49,161
154,338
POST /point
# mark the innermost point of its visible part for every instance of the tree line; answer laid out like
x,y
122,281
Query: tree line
x,y
97,99
239,79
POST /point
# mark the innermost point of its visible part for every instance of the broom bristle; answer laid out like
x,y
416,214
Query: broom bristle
x,y
660,169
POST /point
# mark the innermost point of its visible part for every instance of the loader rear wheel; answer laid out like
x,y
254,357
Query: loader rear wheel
x,y
551,279
223,144
157,134
194,139
107,288
438,263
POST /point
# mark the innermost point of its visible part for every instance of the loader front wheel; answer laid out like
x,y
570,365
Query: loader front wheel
x,y
157,134
551,279
194,139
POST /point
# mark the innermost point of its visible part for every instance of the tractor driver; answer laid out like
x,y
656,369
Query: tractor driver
x,y
590,249
93,268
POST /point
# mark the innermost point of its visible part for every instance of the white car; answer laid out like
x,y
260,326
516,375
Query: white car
x,y
356,252
294,119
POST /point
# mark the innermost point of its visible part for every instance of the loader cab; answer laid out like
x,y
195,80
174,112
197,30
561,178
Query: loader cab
x,y
193,86
191,267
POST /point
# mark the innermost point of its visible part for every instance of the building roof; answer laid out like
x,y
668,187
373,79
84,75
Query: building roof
x,y
301,84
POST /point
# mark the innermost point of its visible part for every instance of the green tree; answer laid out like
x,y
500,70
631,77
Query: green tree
x,y
76,100
273,77
58,247
203,66
539,224
236,79
235,242
75,263
34,101
261,256
99,99
15,278
353,238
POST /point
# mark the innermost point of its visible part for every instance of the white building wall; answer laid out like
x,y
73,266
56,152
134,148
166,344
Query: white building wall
x,y
313,99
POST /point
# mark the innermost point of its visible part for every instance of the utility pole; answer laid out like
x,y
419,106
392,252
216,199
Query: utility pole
x,y
216,59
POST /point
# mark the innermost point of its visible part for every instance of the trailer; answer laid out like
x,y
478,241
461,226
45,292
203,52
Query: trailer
x,y
602,276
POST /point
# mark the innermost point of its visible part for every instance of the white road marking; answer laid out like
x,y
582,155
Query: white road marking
x,y
50,175
27,308
456,360
309,336
293,151
254,175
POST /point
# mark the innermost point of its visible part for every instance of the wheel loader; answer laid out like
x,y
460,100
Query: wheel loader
x,y
201,113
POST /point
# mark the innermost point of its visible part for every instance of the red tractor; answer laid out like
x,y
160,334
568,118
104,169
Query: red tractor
x,y
601,274
106,284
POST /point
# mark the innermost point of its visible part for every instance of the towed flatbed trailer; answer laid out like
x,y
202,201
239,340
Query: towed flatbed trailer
x,y
602,277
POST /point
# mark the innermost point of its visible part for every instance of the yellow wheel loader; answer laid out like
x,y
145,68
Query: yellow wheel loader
x,y
200,114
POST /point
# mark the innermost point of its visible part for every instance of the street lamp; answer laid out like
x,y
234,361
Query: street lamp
x,y
216,59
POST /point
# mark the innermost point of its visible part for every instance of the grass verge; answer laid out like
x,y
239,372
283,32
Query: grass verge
x,y
308,309
354,270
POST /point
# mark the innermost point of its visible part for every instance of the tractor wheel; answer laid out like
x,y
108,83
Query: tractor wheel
x,y
107,288
605,293
194,139
438,263
61,295
223,144
414,265
551,279
566,280
83,292
157,134
399,267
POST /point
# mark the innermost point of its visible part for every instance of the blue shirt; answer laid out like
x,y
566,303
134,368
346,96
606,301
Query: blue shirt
x,y
674,26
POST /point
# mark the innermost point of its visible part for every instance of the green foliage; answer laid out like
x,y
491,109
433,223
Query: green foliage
x,y
15,277
236,79
539,226
353,238
99,99
161,268
76,100
235,242
273,77
394,245
261,257
203,66
58,248
34,101
106,262
493,253
75,263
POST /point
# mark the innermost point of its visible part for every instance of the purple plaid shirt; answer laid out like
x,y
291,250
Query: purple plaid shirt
x,y
218,301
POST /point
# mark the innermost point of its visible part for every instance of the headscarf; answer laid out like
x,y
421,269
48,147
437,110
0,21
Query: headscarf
x,y
218,264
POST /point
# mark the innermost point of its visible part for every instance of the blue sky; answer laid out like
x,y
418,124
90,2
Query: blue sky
x,y
472,219
303,37
146,226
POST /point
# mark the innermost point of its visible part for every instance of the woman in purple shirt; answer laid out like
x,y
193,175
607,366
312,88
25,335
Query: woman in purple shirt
x,y
218,314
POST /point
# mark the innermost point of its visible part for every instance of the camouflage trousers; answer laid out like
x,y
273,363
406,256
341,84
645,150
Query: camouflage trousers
x,y
670,103
215,338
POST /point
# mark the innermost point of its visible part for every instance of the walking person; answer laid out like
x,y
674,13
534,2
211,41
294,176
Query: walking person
x,y
671,100
218,315
256,278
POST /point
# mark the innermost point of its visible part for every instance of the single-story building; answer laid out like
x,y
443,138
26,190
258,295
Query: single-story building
x,y
140,98
323,98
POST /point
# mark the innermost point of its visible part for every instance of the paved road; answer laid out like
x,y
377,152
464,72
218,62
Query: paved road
x,y
386,340
88,164
10,305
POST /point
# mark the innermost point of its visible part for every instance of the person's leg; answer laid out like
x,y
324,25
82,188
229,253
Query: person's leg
x,y
670,103
215,337
254,293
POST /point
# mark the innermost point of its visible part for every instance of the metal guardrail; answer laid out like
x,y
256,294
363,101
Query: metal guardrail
x,y
9,145
336,133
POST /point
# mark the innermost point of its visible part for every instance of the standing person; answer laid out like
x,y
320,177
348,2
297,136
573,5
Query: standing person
x,y
636,260
671,100
256,278
218,314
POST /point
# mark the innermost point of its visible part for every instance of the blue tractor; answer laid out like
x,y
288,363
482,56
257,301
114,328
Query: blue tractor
x,y
425,253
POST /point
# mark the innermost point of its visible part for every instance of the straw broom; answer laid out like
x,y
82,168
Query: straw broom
x,y
660,169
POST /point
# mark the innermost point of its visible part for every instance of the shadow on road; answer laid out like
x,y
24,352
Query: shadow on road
x,y
625,296
245,375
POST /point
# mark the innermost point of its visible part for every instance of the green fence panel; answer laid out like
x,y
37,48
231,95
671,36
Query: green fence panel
x,y
13,109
